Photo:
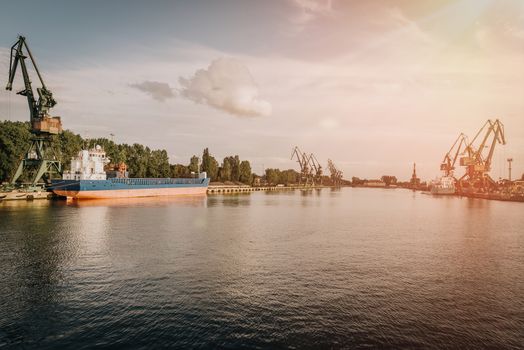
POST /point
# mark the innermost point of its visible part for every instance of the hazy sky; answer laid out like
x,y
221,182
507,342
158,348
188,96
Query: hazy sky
x,y
373,85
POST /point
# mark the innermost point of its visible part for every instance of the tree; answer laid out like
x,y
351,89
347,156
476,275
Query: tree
x,y
389,180
138,160
272,176
158,165
66,146
357,181
245,175
288,177
235,169
209,164
14,142
179,170
193,164
226,169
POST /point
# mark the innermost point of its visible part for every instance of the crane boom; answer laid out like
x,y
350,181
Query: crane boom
x,y
305,170
41,122
39,160
477,165
498,130
315,165
450,159
336,174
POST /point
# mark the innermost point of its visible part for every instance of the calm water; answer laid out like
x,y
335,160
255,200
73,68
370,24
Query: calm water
x,y
353,268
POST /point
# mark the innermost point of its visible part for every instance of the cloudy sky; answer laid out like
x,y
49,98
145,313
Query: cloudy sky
x,y
373,85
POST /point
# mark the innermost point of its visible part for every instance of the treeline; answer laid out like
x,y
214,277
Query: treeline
x,y
140,160
388,180
285,177
15,140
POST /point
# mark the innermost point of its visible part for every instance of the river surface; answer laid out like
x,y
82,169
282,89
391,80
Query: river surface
x,y
349,268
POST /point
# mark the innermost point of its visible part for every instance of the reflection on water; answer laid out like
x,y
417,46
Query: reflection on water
x,y
195,200
336,268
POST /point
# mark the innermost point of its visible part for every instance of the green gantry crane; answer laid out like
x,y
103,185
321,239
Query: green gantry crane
x,y
38,159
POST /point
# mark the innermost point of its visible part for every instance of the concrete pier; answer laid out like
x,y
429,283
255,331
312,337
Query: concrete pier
x,y
245,189
25,195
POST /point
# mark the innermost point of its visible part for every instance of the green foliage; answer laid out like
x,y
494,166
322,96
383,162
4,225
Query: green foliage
x,y
141,160
158,164
66,146
357,181
389,180
14,142
285,177
138,160
245,175
209,164
226,169
235,169
179,170
116,153
193,164
289,177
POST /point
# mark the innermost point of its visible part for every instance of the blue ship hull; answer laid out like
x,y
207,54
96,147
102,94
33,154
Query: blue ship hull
x,y
129,187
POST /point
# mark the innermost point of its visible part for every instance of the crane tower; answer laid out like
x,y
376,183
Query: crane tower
x,y
450,159
306,174
38,159
336,174
477,161
315,165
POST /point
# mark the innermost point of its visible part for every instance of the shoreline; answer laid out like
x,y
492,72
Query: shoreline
x,y
17,195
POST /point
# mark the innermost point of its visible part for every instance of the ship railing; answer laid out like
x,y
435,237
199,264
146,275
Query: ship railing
x,y
155,181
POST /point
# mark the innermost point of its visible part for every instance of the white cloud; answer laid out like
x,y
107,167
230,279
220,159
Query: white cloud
x,y
227,85
158,90
506,38
307,11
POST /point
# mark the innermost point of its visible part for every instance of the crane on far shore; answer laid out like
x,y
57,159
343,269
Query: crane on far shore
x,y
477,162
450,159
336,174
315,165
305,170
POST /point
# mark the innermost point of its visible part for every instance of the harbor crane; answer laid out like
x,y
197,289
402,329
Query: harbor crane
x,y
477,162
315,165
336,174
450,159
39,158
306,177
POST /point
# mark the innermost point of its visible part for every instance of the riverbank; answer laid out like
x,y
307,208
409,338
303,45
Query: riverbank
x,y
232,189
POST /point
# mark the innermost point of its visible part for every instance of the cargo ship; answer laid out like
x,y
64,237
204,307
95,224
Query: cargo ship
x,y
444,186
90,178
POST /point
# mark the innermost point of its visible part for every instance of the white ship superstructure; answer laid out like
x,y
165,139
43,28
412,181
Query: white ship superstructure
x,y
88,165
444,185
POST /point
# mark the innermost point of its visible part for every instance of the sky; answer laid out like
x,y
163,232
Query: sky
x,y
373,85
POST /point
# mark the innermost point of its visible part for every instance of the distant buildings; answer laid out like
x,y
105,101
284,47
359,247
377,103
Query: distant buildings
x,y
415,181
390,181
374,183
